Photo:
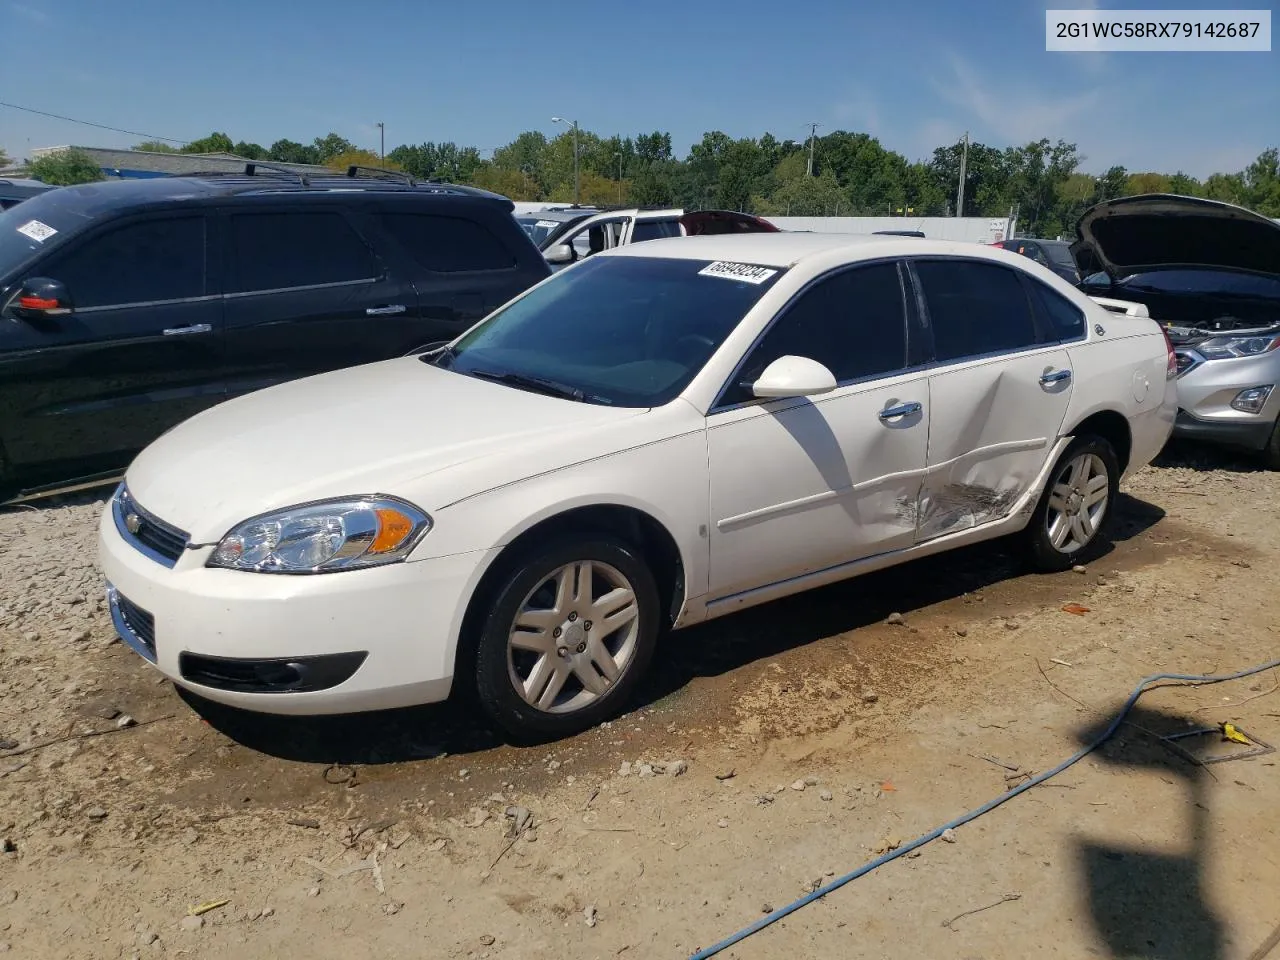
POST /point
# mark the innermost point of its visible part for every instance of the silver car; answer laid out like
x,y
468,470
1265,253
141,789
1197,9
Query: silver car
x,y
1209,272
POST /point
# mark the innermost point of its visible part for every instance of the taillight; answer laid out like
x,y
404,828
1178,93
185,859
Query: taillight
x,y
1171,370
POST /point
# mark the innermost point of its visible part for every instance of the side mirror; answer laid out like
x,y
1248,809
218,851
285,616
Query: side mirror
x,y
794,377
42,297
560,253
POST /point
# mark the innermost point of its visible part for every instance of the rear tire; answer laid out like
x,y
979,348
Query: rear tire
x,y
570,630
1070,522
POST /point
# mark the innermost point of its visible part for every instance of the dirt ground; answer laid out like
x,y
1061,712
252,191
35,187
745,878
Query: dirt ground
x,y
773,751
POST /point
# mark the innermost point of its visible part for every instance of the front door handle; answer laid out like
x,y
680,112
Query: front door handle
x,y
901,410
185,331
1055,376
385,311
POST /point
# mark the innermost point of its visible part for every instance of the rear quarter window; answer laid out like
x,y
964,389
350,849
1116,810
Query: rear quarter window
x,y
444,244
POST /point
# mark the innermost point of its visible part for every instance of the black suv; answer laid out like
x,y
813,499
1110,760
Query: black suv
x,y
128,306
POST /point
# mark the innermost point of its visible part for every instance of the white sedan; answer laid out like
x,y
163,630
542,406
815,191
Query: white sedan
x,y
659,435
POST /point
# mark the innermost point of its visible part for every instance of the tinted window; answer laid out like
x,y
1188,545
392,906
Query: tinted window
x,y
151,260
975,308
654,230
854,323
448,244
270,251
1065,318
630,331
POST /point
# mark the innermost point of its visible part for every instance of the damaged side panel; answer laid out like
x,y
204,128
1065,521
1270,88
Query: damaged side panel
x,y
993,426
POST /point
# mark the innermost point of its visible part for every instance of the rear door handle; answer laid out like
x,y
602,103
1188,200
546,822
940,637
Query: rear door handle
x,y
385,311
1055,376
901,410
185,331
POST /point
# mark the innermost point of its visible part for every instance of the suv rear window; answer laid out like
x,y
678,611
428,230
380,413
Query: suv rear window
x,y
654,230
448,244
274,251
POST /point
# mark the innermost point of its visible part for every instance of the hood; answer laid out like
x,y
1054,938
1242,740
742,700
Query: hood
x,y
708,222
1164,232
362,430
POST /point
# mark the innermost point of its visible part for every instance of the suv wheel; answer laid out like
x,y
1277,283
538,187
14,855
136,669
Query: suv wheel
x,y
571,630
1075,508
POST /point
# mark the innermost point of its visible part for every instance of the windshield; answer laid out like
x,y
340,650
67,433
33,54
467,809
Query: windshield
x,y
536,228
36,225
625,331
1210,282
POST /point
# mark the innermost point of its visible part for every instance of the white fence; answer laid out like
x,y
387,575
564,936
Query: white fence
x,y
969,229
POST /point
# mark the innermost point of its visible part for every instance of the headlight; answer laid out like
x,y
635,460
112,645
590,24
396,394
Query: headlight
x,y
321,537
1224,348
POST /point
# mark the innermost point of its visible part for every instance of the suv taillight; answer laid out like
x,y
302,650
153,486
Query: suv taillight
x,y
1171,370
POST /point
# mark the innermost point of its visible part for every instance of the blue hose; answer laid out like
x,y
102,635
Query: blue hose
x,y
990,805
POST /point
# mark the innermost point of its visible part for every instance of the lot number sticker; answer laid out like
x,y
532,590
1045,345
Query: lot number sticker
x,y
40,232
747,272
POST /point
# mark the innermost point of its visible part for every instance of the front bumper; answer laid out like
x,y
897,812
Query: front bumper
x,y
372,639
1205,392
1251,434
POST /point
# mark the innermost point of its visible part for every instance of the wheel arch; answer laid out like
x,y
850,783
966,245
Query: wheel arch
x,y
1111,426
629,522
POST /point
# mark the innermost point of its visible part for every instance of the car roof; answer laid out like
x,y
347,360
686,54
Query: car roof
x,y
789,249
558,216
112,195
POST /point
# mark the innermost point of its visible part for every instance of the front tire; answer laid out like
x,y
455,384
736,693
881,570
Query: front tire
x,y
1070,521
571,630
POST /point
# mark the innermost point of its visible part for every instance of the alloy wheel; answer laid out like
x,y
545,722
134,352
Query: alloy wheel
x,y
574,636
1078,501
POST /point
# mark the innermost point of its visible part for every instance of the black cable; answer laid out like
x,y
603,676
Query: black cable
x,y
90,123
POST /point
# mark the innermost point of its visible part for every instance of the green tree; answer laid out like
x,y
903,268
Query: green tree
x,y
360,158
1262,183
1227,187
250,151
330,146
804,196
1111,184
66,168
1184,185
213,143
154,146
289,151
1140,183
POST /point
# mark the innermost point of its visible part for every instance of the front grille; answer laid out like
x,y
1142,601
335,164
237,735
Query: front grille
x,y
135,623
159,540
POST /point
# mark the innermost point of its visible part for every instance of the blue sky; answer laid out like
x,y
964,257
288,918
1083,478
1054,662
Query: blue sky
x,y
916,74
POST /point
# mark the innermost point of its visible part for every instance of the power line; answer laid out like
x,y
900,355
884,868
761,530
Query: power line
x,y
90,123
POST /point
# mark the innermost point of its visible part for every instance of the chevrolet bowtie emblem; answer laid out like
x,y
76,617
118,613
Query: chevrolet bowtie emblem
x,y
132,522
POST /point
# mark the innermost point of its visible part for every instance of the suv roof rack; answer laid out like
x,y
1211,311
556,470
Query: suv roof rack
x,y
253,168
381,173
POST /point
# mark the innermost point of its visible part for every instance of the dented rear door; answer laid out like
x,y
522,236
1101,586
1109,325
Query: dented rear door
x,y
998,393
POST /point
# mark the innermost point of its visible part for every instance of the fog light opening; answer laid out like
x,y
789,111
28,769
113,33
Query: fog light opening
x,y
1252,400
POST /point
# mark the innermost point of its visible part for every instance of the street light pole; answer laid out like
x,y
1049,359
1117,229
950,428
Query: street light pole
x,y
577,192
964,162
382,144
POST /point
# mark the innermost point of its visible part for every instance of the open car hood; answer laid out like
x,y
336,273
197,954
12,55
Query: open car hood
x,y
1157,231
705,222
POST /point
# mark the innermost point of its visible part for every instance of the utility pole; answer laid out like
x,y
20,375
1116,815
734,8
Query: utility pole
x,y
577,193
813,138
619,158
964,161
382,144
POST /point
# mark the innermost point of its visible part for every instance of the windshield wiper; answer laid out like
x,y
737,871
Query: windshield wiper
x,y
537,384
